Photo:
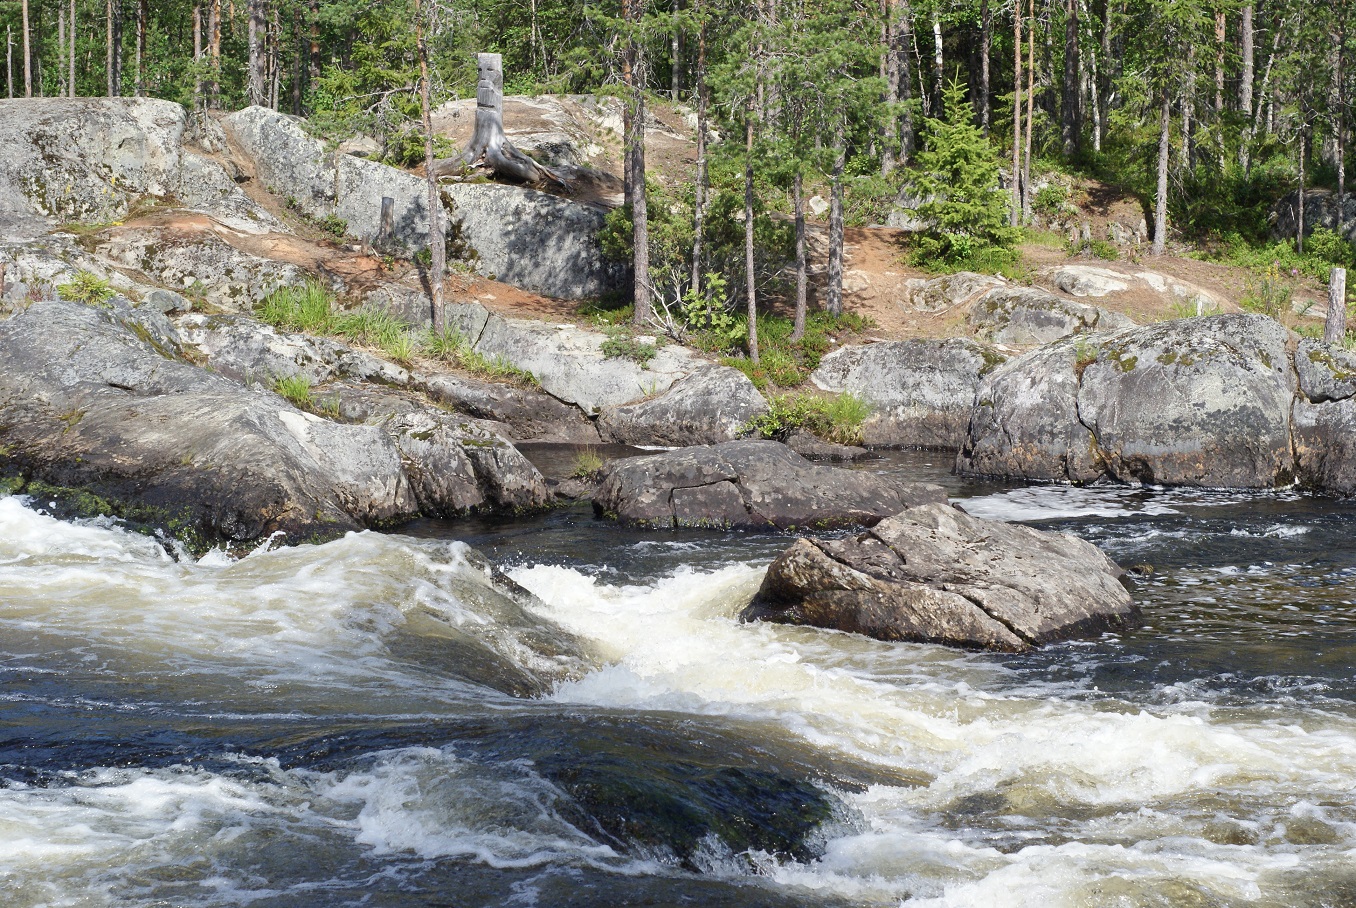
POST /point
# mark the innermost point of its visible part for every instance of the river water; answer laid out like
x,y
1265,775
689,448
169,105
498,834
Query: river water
x,y
376,722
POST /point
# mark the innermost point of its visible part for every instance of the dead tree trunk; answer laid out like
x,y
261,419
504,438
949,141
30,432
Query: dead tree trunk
x,y
488,142
28,56
1245,79
1161,201
436,238
751,284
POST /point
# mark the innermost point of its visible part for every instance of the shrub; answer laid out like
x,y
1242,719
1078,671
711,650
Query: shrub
x,y
1050,199
587,463
622,343
86,287
1328,246
838,419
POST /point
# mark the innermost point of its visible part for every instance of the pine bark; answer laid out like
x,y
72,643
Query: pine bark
x,y
1219,62
634,152
71,81
214,53
1030,113
1161,197
890,66
1016,114
436,238
1068,121
833,295
802,267
699,192
258,24
197,57
143,13
751,281
1245,79
28,55
985,40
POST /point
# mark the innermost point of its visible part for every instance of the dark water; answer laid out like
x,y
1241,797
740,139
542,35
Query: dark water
x,y
375,722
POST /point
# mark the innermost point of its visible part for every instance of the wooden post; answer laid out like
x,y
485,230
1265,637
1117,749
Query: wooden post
x,y
1335,328
387,225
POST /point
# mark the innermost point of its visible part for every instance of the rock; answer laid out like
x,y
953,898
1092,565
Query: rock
x,y
921,391
536,241
1026,316
95,400
1198,402
812,447
749,484
200,263
205,185
86,404
933,574
711,405
526,415
1326,373
361,147
1320,210
1325,445
818,205
940,293
323,184
568,362
167,302
1087,280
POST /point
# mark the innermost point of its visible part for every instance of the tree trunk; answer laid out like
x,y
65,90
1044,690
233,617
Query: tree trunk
x,y
1299,221
937,76
1340,79
1262,97
71,81
313,57
1219,62
28,56
111,52
1016,114
9,59
143,13
61,44
890,65
1245,80
1189,110
751,286
985,40
257,25
1095,92
640,232
905,39
802,269
1335,326
214,53
677,52
1161,198
833,295
699,200
197,56
1068,121
489,143
1030,113
436,239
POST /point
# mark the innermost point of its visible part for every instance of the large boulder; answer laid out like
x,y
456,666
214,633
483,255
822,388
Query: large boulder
x,y
569,362
1324,418
937,294
527,415
534,240
97,401
322,184
1028,316
933,574
1321,209
1199,402
749,484
921,391
709,406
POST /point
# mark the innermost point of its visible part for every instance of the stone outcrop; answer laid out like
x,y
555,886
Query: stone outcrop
x,y
711,405
920,391
526,415
749,484
1198,402
1320,210
99,401
1095,281
933,574
323,184
937,294
534,240
1027,316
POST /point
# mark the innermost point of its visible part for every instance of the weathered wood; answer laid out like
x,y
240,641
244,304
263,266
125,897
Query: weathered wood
x,y
1335,327
386,226
488,142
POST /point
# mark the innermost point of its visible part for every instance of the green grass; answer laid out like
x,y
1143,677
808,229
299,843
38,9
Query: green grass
x,y
587,463
1321,249
451,347
836,418
784,363
297,389
308,308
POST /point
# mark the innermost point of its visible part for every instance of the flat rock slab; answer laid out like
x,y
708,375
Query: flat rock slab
x,y
711,405
750,484
933,574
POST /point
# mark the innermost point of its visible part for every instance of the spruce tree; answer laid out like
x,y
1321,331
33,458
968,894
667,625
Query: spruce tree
x,y
965,211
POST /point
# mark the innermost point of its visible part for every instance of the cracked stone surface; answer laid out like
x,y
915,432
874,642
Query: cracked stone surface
x,y
934,574
750,484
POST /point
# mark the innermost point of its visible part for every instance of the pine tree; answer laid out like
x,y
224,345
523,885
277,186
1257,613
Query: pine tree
x,y
966,212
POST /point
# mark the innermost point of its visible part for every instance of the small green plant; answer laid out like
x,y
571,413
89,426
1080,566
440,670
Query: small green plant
x,y
1270,293
400,347
332,224
837,419
622,343
296,388
1050,199
1190,308
306,307
88,288
1097,248
587,463
446,344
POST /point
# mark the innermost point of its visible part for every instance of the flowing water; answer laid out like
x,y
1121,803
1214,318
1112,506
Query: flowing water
x,y
380,722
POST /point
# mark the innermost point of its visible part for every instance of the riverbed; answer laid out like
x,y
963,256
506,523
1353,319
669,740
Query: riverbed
x,y
378,721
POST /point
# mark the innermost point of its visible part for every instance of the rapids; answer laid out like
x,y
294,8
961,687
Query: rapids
x,y
385,721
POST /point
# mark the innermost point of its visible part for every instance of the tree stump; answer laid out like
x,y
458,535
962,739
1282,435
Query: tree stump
x,y
488,142
1335,327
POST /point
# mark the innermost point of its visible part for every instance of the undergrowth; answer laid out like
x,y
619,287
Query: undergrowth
x,y
782,362
837,418
86,287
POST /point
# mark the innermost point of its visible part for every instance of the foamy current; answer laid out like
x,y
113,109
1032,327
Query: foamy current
x,y
375,721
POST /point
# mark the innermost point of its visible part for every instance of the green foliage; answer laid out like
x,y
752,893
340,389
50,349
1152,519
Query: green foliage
x,y
297,389
623,343
1050,199
1326,245
966,213
837,418
1280,254
1096,248
784,363
86,287
1269,293
307,308
587,463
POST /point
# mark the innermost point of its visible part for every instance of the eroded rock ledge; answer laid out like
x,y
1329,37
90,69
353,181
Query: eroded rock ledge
x,y
933,574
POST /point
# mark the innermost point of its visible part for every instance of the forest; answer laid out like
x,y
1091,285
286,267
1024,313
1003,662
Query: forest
x,y
1206,112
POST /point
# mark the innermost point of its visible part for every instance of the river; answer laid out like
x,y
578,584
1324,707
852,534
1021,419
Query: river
x,y
375,722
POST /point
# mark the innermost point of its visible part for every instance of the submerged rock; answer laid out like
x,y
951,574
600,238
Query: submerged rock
x,y
920,391
749,484
933,574
1197,402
